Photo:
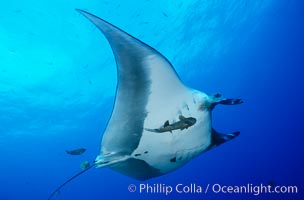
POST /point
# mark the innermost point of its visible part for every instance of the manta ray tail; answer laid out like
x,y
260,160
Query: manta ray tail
x,y
57,190
220,138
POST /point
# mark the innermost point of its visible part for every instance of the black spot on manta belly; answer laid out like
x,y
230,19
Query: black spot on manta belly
x,y
138,154
146,152
173,159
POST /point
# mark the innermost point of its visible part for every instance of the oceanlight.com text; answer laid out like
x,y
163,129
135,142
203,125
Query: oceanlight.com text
x,y
253,189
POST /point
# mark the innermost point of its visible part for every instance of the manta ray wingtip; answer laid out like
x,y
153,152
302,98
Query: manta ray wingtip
x,y
78,10
83,12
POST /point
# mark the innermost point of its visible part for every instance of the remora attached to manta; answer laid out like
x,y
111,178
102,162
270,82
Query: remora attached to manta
x,y
149,93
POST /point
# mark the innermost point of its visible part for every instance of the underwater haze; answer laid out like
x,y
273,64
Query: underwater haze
x,y
58,82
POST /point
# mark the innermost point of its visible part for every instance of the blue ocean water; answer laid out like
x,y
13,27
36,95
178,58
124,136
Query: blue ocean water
x,y
58,79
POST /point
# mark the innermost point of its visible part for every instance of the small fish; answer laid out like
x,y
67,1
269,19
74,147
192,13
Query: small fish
x,y
84,165
184,123
76,151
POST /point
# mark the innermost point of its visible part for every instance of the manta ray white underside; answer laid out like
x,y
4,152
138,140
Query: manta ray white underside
x,y
150,93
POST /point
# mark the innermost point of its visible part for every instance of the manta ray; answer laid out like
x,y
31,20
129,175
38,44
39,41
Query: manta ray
x,y
149,92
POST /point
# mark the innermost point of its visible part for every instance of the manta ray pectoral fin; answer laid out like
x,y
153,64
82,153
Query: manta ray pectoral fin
x,y
220,138
143,75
